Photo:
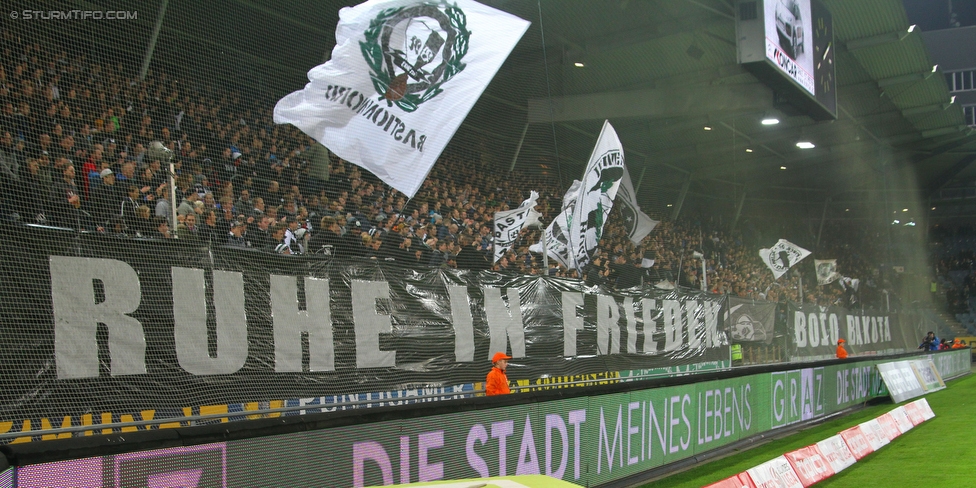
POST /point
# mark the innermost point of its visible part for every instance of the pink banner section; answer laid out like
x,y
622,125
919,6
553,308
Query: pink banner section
x,y
927,412
835,451
740,480
810,465
79,473
775,473
857,442
914,413
186,476
901,418
160,468
875,434
889,426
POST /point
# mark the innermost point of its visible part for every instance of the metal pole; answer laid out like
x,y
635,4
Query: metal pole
x,y
677,282
152,40
926,224
172,193
545,252
640,180
704,276
681,198
823,218
518,147
801,286
738,210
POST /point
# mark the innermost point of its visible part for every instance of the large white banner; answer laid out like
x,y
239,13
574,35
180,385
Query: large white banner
x,y
782,256
572,237
509,224
904,382
403,76
638,225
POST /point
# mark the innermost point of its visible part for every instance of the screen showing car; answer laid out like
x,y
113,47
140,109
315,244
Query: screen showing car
x,y
789,40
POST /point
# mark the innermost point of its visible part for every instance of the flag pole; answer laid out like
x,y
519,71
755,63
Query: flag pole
x,y
800,287
677,282
545,241
172,193
704,278
545,252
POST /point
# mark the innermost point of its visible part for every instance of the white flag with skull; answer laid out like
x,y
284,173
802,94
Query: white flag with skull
x,y
782,256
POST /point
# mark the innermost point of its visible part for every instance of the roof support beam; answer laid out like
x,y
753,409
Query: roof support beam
x,y
637,36
898,80
681,198
878,40
949,174
925,109
944,148
683,101
727,15
928,134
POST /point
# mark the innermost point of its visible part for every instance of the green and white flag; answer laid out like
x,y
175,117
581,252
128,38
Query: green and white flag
x,y
573,236
637,224
403,76
601,180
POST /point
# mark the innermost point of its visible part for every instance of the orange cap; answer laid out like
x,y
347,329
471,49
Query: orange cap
x,y
499,356
840,340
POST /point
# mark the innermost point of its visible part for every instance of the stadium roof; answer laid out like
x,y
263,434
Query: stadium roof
x,y
661,71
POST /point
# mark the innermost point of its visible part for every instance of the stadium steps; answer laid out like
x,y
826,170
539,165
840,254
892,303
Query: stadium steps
x,y
954,325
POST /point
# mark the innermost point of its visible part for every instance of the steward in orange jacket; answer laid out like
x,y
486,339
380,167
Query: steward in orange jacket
x,y
497,383
841,352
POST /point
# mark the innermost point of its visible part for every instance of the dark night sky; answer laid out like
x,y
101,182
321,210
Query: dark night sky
x,y
934,14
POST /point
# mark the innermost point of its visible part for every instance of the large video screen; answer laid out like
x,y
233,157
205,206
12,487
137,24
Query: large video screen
x,y
789,46
789,40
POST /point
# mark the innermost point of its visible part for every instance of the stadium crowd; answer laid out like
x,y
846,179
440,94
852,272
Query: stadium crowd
x,y
954,255
77,150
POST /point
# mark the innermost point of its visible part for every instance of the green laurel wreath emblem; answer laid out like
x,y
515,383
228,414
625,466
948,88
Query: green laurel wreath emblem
x,y
372,51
